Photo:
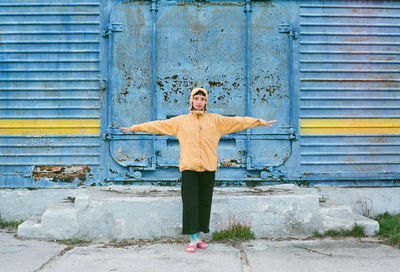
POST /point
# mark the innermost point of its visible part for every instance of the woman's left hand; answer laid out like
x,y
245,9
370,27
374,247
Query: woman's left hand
x,y
125,129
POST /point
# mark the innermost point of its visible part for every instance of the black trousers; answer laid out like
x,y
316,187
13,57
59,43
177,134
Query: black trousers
x,y
196,189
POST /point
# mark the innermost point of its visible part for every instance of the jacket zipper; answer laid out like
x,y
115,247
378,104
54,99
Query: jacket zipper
x,y
200,129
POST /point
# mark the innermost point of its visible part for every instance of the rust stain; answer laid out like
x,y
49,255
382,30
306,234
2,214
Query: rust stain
x,y
61,173
203,4
139,159
362,11
124,157
215,83
268,86
357,39
231,162
175,87
378,140
166,97
160,84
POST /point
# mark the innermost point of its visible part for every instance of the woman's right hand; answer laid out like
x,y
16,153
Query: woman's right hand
x,y
125,129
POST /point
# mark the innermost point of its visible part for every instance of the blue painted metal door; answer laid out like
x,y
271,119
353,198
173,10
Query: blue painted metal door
x,y
199,45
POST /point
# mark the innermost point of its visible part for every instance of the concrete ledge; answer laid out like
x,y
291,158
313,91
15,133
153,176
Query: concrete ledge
x,y
21,204
151,212
368,201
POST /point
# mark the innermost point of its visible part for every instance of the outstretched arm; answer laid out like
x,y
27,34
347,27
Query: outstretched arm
x,y
233,124
163,127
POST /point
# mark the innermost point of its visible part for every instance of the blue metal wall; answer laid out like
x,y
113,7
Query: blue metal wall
x,y
49,92
348,84
73,72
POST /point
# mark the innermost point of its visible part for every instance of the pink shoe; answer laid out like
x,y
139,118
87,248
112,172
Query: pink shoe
x,y
202,245
190,248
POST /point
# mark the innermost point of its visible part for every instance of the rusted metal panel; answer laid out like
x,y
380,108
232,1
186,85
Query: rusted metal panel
x,y
200,44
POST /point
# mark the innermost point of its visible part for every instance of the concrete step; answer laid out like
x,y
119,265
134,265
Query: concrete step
x,y
59,221
149,212
339,216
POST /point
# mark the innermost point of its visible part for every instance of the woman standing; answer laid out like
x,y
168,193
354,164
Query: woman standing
x,y
198,134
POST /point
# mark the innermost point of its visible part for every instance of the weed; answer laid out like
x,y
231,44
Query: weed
x,y
75,241
236,230
316,234
389,227
9,224
156,238
366,206
357,231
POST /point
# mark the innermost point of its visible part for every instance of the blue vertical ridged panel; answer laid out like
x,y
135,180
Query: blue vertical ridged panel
x,y
349,69
49,70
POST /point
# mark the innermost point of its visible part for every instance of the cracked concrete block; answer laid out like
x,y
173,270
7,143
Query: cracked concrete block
x,y
60,222
31,228
57,222
371,227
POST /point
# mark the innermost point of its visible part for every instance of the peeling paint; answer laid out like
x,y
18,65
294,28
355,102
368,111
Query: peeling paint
x,y
57,173
215,83
230,163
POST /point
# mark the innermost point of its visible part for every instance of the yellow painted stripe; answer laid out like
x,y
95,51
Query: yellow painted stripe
x,y
49,126
349,126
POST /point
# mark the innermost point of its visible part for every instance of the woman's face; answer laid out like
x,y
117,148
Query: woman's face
x,y
199,101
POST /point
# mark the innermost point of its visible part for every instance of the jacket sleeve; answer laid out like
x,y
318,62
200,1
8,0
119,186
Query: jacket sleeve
x,y
163,127
233,124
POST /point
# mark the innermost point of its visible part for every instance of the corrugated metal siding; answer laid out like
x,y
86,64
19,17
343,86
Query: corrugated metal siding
x,y
49,73
349,89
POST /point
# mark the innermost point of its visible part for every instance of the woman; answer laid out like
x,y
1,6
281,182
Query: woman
x,y
198,134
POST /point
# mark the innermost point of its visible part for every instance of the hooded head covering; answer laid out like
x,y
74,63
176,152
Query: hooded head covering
x,y
193,92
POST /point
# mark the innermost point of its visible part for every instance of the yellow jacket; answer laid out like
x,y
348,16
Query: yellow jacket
x,y
198,134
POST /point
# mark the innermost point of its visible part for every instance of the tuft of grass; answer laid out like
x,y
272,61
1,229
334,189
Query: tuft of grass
x,y
156,238
389,228
357,231
73,242
237,228
9,224
234,232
